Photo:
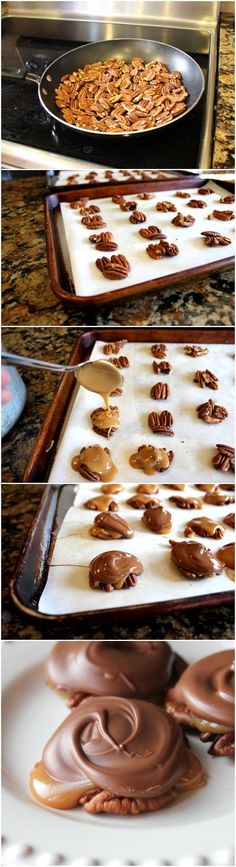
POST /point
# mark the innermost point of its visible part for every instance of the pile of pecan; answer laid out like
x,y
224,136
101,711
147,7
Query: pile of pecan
x,y
155,251
160,391
152,233
137,217
225,458
115,268
114,96
121,361
194,350
104,241
196,203
206,379
159,350
214,239
165,207
211,413
93,221
114,348
181,220
161,423
221,215
162,367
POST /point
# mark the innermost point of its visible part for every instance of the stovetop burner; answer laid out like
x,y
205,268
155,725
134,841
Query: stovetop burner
x,y
24,121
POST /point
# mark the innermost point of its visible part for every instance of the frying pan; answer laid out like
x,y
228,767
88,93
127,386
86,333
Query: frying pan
x,y
92,52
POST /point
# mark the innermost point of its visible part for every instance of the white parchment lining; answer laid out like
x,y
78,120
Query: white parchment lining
x,y
88,280
81,177
194,441
67,589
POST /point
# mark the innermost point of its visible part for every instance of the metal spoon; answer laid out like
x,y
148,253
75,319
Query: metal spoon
x,y
116,379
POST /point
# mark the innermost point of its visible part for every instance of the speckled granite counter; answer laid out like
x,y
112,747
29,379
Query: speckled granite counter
x,y
19,504
28,299
223,150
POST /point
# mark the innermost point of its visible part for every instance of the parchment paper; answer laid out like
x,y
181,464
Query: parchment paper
x,y
88,280
194,441
117,175
67,589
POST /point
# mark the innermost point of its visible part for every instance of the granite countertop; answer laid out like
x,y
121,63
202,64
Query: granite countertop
x,y
27,297
223,150
19,504
49,345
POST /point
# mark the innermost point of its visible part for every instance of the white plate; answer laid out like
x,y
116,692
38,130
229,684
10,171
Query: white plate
x,y
196,830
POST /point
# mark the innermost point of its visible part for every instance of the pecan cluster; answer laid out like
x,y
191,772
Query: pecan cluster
x,y
114,96
155,251
159,350
184,221
225,458
111,348
137,217
128,206
165,207
118,200
227,200
145,196
196,203
161,423
162,367
115,268
205,191
206,379
93,221
194,350
211,413
181,195
91,209
152,233
104,241
214,239
221,215
122,361
79,203
160,391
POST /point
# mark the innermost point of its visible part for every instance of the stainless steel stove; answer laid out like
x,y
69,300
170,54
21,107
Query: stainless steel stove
x,y
34,34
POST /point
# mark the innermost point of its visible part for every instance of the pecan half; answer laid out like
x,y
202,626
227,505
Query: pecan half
x,y
104,241
159,350
162,367
128,206
137,217
115,268
165,207
225,458
105,802
196,203
211,413
205,191
184,221
221,215
206,379
155,251
160,391
223,745
121,361
91,209
227,200
194,351
214,239
152,233
93,222
111,348
161,423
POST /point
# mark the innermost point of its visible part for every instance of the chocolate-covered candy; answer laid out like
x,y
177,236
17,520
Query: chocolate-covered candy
x,y
157,519
230,520
186,502
114,570
194,560
95,464
147,489
204,527
142,501
218,499
102,503
124,755
203,699
110,526
135,669
226,555
207,488
111,489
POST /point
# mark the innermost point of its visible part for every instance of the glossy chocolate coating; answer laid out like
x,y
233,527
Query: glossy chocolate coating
x,y
204,527
194,560
207,688
112,567
227,555
135,669
128,747
157,519
218,499
114,526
